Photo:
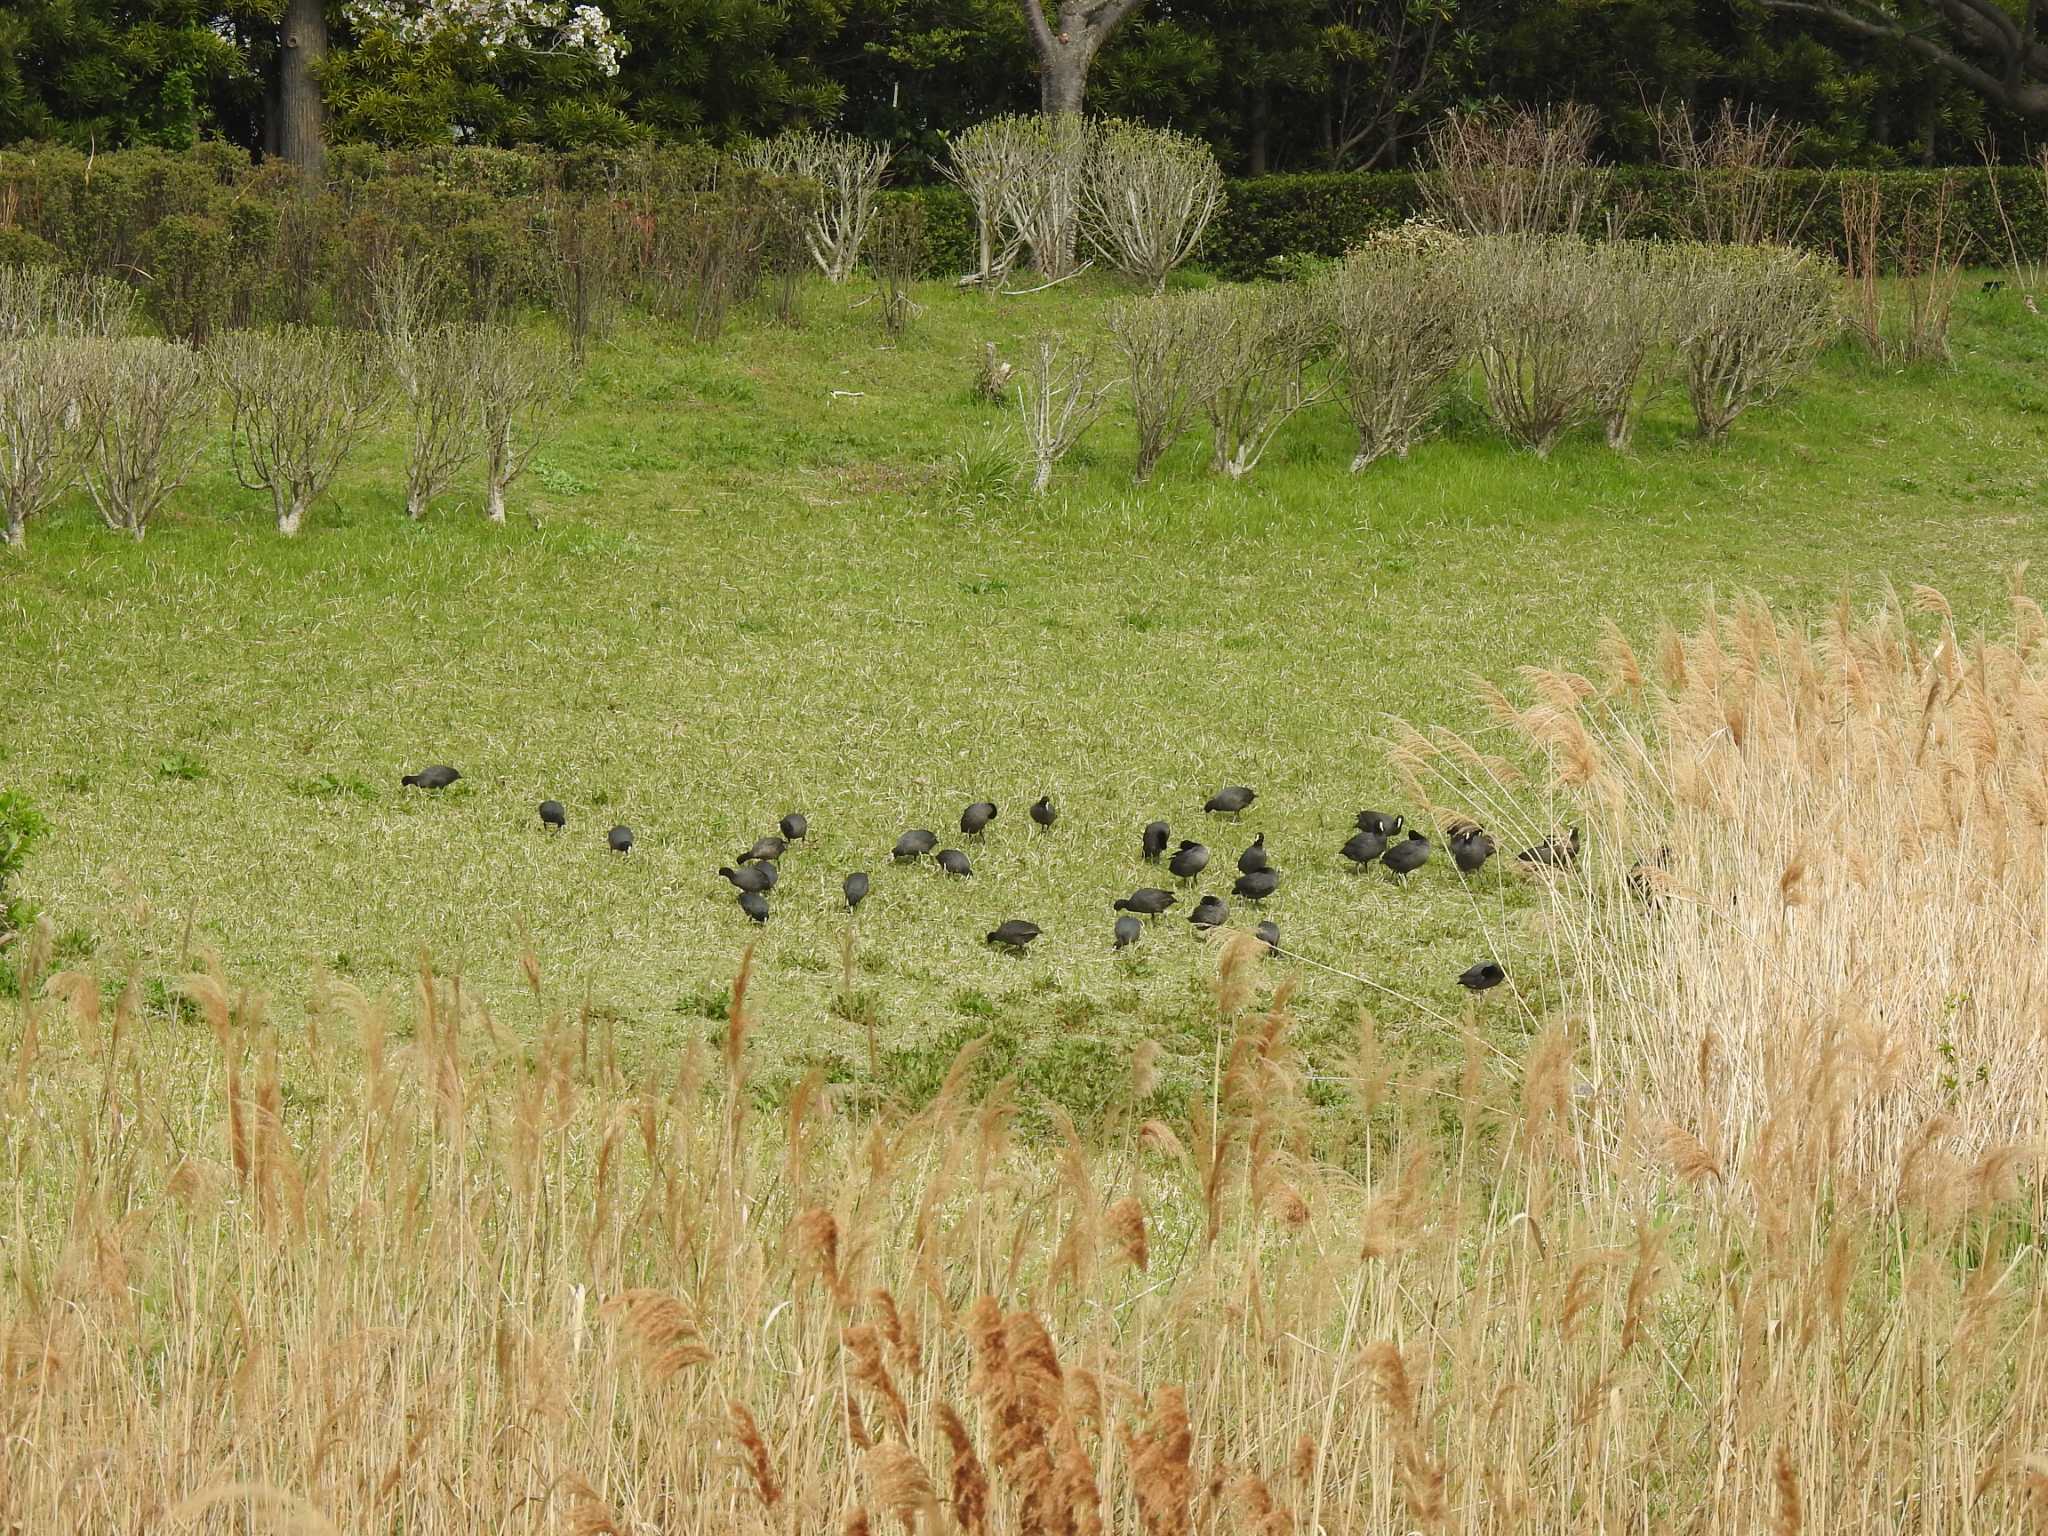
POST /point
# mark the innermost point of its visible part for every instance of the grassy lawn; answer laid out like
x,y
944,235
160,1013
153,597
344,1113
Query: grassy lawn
x,y
742,580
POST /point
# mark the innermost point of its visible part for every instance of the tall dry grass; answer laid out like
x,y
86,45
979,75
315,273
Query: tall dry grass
x,y
447,1267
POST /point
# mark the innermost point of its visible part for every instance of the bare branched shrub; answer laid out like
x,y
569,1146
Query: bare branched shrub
x,y
786,253
406,293
1045,203
1749,320
298,402
46,301
845,174
1059,397
1147,197
436,370
1268,339
43,441
1638,292
990,163
145,408
1172,347
589,243
710,257
1906,320
1541,332
895,255
1403,328
521,381
1738,194
1514,173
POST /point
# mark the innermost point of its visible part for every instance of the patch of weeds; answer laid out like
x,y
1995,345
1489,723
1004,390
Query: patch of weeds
x,y
974,1003
556,480
163,998
716,1005
74,783
915,1072
987,586
182,766
331,786
74,944
982,478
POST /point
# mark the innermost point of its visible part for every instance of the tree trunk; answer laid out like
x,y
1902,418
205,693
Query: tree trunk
x,y
17,531
290,513
1257,158
1063,81
1064,56
302,121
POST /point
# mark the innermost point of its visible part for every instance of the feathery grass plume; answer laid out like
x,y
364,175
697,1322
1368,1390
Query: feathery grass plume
x,y
1391,1213
970,1488
899,1484
1161,1476
753,1453
903,1344
665,1335
856,1523
1125,1220
816,1232
1258,1512
1145,1072
863,1345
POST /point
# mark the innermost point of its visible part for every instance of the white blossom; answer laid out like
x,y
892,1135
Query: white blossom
x,y
537,26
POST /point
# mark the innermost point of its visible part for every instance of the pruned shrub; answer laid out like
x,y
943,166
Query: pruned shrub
x,y
1402,317
46,301
1906,321
43,440
990,162
1045,201
1148,195
1540,331
1733,170
588,245
186,276
521,382
1268,338
144,408
299,400
1523,172
1750,319
1638,286
437,371
1173,348
845,174
895,253
1059,397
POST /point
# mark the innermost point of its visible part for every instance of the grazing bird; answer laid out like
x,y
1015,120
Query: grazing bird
x,y
954,862
1486,974
796,826
856,888
1364,847
1257,885
1043,811
750,877
1147,899
1013,933
1270,932
554,814
1157,835
1127,931
1189,861
975,819
1210,912
1380,822
439,776
1553,852
1471,847
620,838
1408,855
914,844
1254,857
768,848
1231,800
755,905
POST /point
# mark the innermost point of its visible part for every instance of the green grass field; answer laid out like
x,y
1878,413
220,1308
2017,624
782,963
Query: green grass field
x,y
741,579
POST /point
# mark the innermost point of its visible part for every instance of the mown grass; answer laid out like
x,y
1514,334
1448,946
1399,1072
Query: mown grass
x,y
741,580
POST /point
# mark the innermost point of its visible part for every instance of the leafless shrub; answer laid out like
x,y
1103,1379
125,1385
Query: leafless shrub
x,y
1906,321
1541,331
990,163
713,257
895,254
588,241
992,377
1268,337
407,293
1749,319
1403,328
1737,196
144,406
1514,173
1171,346
1045,206
1637,288
298,401
437,371
521,382
1148,195
1058,399
846,173
42,438
786,254
44,301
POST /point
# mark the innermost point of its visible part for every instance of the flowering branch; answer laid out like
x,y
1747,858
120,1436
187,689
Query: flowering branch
x,y
535,26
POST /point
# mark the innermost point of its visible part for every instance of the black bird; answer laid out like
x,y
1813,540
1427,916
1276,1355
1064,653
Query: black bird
x,y
954,862
1471,847
856,889
620,838
1013,933
1257,885
1364,847
914,844
1191,859
751,877
1380,822
554,814
1148,899
755,905
1408,855
1643,876
1210,912
1992,285
796,826
975,819
440,776
1553,852
1270,932
1157,835
1043,811
1127,931
1231,800
768,848
1254,857
1486,974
